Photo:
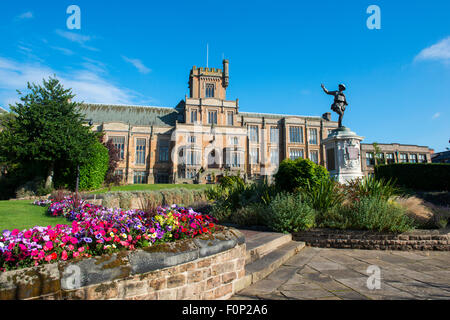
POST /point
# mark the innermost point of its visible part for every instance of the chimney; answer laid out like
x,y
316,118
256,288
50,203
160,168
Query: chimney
x,y
225,73
327,116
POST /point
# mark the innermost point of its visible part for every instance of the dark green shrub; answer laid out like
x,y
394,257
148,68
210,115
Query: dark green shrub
x,y
288,213
323,196
418,176
92,174
250,215
293,174
370,213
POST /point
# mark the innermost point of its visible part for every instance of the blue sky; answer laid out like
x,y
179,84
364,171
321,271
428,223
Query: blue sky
x,y
140,52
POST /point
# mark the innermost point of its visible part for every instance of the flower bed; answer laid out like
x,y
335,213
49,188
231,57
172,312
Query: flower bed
x,y
96,230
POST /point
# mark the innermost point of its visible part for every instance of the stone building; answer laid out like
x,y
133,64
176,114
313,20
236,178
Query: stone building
x,y
206,135
2,110
392,153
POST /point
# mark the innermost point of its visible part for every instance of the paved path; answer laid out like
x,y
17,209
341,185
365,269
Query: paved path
x,y
316,273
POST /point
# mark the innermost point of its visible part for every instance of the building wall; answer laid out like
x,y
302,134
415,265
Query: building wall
x,y
399,152
197,142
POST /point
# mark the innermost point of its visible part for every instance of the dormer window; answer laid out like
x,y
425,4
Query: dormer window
x,y
209,90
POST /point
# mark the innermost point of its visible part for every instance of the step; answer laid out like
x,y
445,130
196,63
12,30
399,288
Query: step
x,y
261,268
263,244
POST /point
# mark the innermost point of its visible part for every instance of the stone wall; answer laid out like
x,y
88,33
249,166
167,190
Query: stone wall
x,y
414,240
203,268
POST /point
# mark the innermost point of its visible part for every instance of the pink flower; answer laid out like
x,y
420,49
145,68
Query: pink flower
x,y
64,255
48,245
27,234
76,254
80,249
71,247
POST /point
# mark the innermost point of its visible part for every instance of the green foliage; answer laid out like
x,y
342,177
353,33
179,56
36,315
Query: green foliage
x,y
369,214
232,195
418,176
92,173
293,174
250,215
288,213
46,131
370,187
324,196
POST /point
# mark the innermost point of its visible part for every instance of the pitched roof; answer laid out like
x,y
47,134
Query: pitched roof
x,y
3,110
134,115
274,115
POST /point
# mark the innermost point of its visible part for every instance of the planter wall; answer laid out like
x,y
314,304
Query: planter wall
x,y
414,240
206,267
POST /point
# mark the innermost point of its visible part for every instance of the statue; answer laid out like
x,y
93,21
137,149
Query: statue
x,y
340,102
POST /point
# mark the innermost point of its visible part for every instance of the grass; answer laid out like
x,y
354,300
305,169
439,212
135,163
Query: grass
x,y
21,214
149,187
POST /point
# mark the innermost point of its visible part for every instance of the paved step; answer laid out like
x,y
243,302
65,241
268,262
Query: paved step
x,y
264,243
263,266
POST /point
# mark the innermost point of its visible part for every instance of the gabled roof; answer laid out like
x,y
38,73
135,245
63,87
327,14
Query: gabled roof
x,y
134,115
3,110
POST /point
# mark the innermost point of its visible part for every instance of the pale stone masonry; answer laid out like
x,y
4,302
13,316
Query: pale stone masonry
x,y
206,135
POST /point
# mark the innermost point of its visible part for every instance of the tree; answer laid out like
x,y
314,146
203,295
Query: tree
x,y
47,130
114,158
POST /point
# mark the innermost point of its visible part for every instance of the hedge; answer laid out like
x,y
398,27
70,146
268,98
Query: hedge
x,y
419,176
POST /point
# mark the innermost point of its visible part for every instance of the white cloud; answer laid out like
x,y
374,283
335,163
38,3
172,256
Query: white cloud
x,y
436,115
138,65
87,85
439,51
65,51
25,15
77,38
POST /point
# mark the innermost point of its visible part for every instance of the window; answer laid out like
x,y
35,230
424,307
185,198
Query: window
x,y
403,157
163,153
390,158
140,151
296,134
422,158
330,131
191,139
274,135
254,155
313,136
235,159
209,90
413,158
274,156
212,117
162,178
192,157
314,156
234,140
193,116
295,153
119,173
140,177
253,133
370,161
119,143
230,118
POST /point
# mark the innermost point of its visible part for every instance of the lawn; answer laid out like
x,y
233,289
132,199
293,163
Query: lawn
x,y
21,214
148,187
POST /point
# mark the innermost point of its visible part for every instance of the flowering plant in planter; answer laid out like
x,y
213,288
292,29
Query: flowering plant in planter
x,y
96,230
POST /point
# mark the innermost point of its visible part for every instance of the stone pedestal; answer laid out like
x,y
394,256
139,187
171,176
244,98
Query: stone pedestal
x,y
343,154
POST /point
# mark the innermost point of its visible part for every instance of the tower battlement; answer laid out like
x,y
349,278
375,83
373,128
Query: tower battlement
x,y
209,82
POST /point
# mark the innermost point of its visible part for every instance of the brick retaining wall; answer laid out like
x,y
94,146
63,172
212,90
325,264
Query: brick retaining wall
x,y
191,269
414,240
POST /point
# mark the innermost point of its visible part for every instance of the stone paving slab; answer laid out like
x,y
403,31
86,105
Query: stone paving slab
x,y
341,274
